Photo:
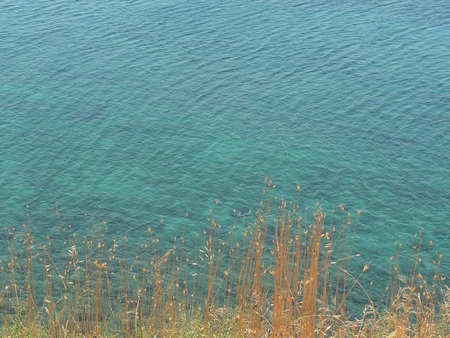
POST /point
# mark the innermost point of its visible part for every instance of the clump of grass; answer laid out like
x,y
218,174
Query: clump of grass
x,y
279,275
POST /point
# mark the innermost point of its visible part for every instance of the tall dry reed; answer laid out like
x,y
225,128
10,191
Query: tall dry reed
x,y
282,273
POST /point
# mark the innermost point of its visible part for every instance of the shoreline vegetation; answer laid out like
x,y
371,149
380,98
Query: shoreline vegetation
x,y
284,274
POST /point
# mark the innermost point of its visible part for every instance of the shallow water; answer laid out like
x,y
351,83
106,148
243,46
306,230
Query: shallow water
x,y
145,111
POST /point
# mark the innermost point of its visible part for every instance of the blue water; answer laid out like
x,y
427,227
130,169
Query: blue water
x,y
145,111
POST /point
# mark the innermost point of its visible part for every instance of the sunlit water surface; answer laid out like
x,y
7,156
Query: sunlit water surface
x,y
141,112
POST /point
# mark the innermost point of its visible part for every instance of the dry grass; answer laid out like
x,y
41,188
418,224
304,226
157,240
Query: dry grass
x,y
284,276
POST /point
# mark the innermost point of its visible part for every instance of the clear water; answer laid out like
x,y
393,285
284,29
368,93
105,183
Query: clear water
x,y
148,110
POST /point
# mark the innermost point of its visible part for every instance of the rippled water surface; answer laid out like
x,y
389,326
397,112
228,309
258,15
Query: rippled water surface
x,y
147,110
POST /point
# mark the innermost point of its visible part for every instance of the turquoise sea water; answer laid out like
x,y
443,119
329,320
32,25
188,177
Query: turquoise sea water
x,y
147,110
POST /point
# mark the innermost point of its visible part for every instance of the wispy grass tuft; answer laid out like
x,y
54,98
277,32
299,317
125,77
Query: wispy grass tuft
x,y
280,273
